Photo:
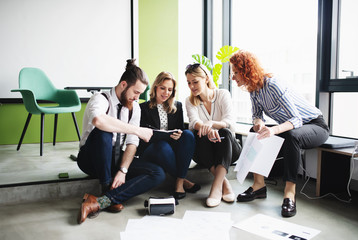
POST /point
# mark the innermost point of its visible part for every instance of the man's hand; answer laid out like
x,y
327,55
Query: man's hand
x,y
119,179
145,134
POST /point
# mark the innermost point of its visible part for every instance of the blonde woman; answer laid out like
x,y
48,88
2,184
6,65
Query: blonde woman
x,y
210,117
175,153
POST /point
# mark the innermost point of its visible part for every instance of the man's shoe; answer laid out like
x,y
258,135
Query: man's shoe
x,y
250,194
93,215
115,208
193,189
288,208
89,205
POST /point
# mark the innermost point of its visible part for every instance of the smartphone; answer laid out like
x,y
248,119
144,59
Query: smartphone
x,y
173,131
63,175
213,139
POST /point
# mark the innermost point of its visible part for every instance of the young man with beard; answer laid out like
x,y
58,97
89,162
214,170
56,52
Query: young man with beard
x,y
109,143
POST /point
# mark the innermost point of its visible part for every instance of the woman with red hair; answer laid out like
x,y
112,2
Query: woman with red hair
x,y
298,122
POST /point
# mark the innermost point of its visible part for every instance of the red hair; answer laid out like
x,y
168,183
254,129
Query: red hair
x,y
250,70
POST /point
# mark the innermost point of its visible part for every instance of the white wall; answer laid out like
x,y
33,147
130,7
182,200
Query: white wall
x,y
75,42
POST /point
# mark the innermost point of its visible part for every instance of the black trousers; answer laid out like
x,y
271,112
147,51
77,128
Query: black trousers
x,y
310,135
208,154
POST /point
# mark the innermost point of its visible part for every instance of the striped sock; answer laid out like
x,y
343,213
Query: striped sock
x,y
104,202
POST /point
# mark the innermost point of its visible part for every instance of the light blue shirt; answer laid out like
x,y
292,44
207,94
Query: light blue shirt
x,y
282,104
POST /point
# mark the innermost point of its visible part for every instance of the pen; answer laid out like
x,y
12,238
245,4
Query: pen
x,y
150,126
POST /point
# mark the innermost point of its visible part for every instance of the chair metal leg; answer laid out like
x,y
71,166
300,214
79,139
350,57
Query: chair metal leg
x,y
75,121
55,129
42,133
24,131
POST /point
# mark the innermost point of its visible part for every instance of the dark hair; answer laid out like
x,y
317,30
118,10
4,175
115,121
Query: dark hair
x,y
133,73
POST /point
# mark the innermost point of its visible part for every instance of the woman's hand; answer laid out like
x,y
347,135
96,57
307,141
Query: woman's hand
x,y
265,132
205,128
176,135
258,125
214,136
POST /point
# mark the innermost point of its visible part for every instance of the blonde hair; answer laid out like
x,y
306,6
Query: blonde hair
x,y
169,104
199,70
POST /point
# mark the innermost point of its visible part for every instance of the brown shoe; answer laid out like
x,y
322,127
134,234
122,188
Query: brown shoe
x,y
115,208
89,205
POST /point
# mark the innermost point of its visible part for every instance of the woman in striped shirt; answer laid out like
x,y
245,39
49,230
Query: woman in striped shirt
x,y
298,122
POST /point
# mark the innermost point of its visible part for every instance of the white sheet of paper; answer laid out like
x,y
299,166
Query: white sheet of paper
x,y
246,158
194,225
257,156
267,155
272,228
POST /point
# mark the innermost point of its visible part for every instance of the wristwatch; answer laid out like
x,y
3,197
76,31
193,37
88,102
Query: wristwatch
x,y
123,170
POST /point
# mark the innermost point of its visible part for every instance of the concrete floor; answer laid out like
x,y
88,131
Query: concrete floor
x,y
53,216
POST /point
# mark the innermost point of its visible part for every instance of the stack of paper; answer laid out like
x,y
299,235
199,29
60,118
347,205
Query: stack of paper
x,y
194,225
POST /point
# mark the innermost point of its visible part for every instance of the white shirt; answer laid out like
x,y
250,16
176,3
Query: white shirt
x,y
221,110
98,105
163,117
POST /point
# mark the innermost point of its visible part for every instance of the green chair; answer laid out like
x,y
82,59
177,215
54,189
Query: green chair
x,y
35,86
144,97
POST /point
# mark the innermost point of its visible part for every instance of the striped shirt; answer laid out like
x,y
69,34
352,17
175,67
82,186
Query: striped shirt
x,y
281,104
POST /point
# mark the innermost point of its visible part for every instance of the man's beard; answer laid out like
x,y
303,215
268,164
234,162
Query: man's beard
x,y
124,100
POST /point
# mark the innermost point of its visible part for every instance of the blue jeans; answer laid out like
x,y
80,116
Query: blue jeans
x,y
173,156
96,159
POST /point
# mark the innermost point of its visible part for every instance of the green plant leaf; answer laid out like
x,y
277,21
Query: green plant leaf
x,y
216,73
196,57
225,53
203,60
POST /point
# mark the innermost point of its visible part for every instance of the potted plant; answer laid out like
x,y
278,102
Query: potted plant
x,y
223,55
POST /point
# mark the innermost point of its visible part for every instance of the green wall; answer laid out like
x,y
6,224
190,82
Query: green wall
x,y
158,51
158,37
13,118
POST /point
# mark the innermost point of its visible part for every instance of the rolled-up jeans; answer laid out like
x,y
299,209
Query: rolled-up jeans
x,y
96,159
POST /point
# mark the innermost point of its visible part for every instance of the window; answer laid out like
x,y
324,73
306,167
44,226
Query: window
x,y
190,39
345,119
217,31
344,72
348,39
283,35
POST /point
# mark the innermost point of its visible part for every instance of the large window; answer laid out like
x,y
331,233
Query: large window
x,y
344,115
344,70
348,39
190,41
283,35
217,31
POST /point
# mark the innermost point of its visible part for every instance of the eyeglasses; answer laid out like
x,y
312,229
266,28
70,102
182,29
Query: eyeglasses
x,y
191,67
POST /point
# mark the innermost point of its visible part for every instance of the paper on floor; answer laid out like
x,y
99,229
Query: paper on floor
x,y
272,228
